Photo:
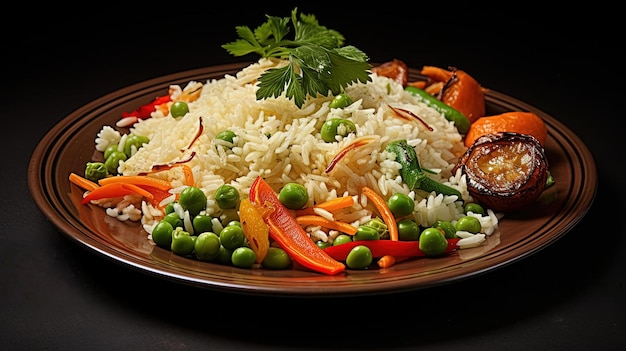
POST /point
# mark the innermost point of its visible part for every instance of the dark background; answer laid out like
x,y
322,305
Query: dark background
x,y
55,295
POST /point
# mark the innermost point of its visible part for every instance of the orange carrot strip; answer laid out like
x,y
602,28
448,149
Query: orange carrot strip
x,y
327,223
82,182
383,209
113,190
138,180
386,261
330,205
389,260
189,180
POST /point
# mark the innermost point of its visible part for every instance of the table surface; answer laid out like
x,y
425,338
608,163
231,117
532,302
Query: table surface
x,y
55,294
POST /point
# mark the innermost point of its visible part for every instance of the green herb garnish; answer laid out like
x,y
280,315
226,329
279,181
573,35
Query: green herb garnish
x,y
318,61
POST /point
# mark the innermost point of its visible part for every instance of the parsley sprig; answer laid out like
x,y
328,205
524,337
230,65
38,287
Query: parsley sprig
x,y
318,62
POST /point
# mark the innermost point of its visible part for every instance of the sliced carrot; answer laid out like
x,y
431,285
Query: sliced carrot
x,y
189,180
386,261
330,205
383,209
326,223
82,182
138,180
113,190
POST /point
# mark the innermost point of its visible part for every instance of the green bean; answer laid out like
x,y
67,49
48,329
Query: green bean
x,y
450,113
412,173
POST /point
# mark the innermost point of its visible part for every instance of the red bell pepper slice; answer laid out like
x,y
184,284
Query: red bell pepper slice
x,y
381,248
146,110
285,230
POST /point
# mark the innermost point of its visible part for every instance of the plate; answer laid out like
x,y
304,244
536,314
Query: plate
x,y
70,144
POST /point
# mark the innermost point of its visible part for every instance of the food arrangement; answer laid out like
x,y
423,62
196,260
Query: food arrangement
x,y
335,167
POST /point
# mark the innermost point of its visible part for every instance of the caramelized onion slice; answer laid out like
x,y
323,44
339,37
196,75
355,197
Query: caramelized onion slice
x,y
505,171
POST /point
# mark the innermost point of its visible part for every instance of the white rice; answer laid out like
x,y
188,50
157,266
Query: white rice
x,y
281,143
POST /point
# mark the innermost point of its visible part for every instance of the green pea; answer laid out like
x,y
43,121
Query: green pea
x,y
364,232
433,242
474,207
95,171
227,197
224,256
408,230
162,234
134,140
360,257
179,109
469,224
173,219
447,227
113,161
334,127
377,224
322,244
276,258
232,237
169,208
235,223
182,242
207,246
192,199
243,257
342,239
202,223
227,136
293,195
340,101
109,149
401,205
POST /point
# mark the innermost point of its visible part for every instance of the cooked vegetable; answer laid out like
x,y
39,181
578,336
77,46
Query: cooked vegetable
x,y
505,171
179,109
318,63
134,142
360,257
293,195
433,242
412,173
340,101
276,258
461,122
408,230
336,127
84,183
326,223
206,246
401,204
227,197
95,171
513,121
114,190
469,224
192,199
382,248
182,242
330,205
383,210
254,228
287,233
243,257
459,91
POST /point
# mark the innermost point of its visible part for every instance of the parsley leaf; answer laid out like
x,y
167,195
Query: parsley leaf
x,y
317,60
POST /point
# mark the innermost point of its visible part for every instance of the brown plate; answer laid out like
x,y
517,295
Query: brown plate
x,y
70,144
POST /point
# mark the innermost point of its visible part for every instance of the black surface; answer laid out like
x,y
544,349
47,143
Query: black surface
x,y
55,295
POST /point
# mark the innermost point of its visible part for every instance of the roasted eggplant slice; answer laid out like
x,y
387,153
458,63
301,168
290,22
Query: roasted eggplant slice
x,y
505,171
